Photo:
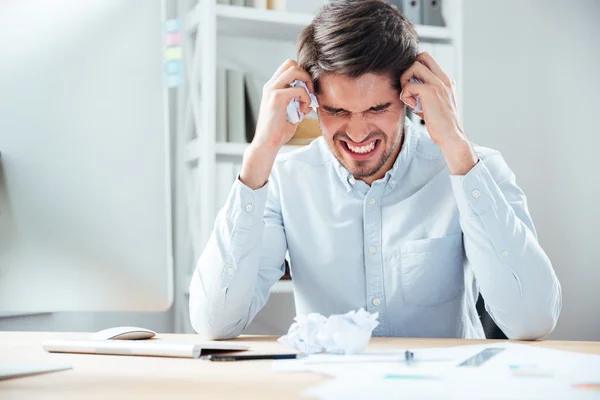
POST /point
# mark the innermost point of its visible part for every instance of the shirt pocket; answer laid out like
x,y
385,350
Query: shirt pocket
x,y
431,270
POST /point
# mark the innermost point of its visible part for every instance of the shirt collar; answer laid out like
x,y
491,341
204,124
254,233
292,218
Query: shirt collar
x,y
392,177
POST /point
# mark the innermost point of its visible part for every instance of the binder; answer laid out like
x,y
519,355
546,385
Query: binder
x,y
236,107
432,13
411,10
221,105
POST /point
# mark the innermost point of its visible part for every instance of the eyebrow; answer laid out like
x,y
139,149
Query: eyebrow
x,y
333,110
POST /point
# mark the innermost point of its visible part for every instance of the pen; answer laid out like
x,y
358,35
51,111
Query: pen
x,y
245,357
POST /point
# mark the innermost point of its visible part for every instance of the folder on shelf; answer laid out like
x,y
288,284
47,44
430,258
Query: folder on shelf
x,y
432,13
221,105
236,110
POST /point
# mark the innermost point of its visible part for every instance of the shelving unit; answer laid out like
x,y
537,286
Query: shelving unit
x,y
262,24
224,149
207,23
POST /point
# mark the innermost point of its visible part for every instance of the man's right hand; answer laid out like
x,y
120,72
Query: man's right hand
x,y
273,130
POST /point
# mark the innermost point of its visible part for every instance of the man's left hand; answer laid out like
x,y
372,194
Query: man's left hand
x,y
440,111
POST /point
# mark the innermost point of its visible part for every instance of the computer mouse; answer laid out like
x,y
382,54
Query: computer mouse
x,y
123,333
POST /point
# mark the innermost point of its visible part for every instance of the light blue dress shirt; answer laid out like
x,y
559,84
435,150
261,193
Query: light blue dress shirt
x,y
417,246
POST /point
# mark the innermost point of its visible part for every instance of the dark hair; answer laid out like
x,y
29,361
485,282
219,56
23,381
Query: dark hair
x,y
355,37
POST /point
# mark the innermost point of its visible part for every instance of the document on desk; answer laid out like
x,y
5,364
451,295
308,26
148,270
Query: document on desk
x,y
377,363
150,347
14,370
517,372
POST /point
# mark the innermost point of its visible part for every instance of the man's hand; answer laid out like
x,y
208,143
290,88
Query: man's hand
x,y
440,111
273,130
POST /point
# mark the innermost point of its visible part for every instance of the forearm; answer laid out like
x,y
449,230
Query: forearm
x,y
514,274
224,283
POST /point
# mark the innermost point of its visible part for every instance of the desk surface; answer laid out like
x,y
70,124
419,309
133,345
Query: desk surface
x,y
116,377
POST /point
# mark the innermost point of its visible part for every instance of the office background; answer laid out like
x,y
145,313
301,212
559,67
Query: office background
x,y
530,89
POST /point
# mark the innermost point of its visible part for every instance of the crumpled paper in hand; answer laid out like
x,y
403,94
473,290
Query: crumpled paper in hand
x,y
293,113
418,108
339,334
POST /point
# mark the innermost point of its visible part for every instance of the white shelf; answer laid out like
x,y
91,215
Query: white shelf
x,y
279,25
226,149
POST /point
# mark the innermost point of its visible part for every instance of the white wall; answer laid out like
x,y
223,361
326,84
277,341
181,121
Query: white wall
x,y
532,88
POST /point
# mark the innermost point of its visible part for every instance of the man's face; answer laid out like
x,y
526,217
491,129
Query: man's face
x,y
362,120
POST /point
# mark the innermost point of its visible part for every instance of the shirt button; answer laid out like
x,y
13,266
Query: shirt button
x,y
249,207
376,302
393,182
372,250
504,254
476,193
230,271
352,181
372,202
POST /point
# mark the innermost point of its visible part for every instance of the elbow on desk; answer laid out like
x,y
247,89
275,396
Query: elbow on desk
x,y
536,325
211,332
209,328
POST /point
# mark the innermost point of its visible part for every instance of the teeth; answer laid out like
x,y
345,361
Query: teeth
x,y
364,149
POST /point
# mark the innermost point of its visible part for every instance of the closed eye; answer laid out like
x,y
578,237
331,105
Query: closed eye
x,y
334,113
378,109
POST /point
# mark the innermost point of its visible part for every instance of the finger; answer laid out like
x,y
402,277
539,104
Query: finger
x,y
412,89
284,96
421,72
287,64
427,59
292,74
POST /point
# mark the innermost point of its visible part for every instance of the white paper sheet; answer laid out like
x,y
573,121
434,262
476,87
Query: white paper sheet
x,y
518,372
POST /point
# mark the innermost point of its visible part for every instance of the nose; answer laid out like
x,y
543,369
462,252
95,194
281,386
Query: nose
x,y
357,131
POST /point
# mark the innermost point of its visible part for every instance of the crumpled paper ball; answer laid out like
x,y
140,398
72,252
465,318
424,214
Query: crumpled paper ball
x,y
339,334
419,107
293,113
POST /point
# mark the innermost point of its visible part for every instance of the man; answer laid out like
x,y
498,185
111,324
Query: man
x,y
374,214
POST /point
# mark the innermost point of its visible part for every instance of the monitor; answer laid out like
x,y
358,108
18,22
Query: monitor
x,y
85,167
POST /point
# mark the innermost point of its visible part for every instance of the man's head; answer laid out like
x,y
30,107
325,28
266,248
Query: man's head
x,y
355,52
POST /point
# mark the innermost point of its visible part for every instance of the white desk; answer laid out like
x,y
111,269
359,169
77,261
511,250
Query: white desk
x,y
124,377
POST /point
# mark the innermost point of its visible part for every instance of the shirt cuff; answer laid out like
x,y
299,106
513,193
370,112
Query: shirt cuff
x,y
247,206
474,191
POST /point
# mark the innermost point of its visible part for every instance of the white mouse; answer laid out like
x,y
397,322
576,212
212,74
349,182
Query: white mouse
x,y
123,333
